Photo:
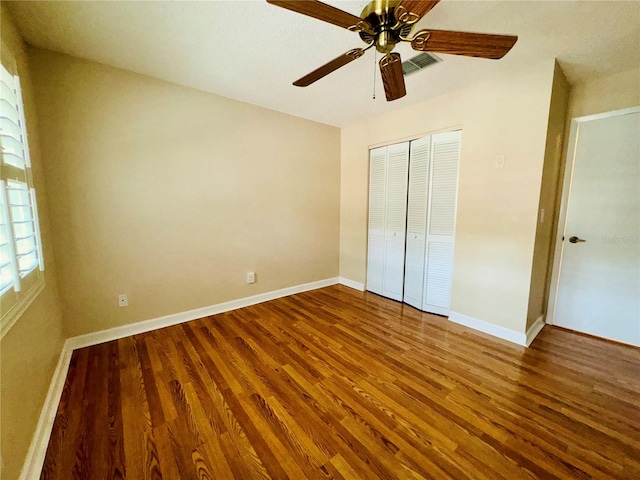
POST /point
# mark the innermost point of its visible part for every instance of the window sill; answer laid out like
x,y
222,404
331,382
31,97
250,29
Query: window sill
x,y
17,311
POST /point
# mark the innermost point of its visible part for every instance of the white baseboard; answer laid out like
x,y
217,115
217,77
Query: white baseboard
x,y
38,448
115,333
534,329
513,336
351,283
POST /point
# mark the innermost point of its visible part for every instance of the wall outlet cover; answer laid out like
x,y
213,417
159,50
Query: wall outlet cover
x,y
123,301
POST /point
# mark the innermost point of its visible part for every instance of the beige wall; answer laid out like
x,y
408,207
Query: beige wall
x,y
497,208
603,94
171,195
30,350
545,231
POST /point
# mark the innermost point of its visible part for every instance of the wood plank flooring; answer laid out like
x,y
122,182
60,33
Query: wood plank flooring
x,y
341,384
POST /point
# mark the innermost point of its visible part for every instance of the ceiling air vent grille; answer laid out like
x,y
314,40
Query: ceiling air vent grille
x,y
419,62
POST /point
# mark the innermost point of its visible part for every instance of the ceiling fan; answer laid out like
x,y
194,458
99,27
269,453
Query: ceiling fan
x,y
384,24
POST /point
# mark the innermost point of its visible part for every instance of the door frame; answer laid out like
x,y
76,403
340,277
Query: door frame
x,y
564,204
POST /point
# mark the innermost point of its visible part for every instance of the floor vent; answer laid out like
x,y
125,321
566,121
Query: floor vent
x,y
419,62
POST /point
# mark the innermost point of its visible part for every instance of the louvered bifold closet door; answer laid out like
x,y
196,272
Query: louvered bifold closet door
x,y
443,192
377,187
416,221
395,219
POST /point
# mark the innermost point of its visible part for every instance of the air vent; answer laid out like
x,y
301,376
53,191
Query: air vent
x,y
419,62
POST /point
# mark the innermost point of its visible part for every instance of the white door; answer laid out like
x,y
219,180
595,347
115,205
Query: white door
x,y
599,274
417,220
395,219
441,221
377,195
388,170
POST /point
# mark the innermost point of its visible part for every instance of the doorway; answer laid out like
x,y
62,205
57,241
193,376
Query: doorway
x,y
595,286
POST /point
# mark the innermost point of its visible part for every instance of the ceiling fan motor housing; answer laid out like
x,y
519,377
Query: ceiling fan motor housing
x,y
380,15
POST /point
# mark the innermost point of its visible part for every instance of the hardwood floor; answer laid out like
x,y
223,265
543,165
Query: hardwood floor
x,y
336,383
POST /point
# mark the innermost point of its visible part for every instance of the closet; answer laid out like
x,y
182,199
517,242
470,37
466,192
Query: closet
x,y
412,208
388,168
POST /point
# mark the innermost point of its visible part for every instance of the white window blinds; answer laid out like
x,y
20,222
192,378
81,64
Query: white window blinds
x,y
21,259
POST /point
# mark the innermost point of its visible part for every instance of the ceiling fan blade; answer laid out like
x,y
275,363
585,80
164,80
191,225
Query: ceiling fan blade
x,y
392,77
321,11
327,68
410,11
482,45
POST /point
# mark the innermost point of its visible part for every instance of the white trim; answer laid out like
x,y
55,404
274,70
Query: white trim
x,y
36,227
562,223
534,329
564,204
37,450
115,333
417,136
486,327
612,113
347,282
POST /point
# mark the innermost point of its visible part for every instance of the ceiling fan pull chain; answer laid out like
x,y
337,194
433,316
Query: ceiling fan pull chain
x,y
375,64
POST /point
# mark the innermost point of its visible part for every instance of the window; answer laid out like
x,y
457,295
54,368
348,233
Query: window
x,y
21,262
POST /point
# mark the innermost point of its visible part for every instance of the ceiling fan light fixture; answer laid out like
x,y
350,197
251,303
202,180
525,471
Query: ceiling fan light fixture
x,y
386,41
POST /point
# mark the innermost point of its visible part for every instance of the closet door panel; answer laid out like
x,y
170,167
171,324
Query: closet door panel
x,y
395,219
416,221
437,295
444,184
375,254
443,193
414,269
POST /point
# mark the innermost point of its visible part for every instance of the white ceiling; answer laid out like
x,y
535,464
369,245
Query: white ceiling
x,y
252,51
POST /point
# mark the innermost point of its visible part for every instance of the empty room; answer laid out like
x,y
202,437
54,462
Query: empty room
x,y
263,239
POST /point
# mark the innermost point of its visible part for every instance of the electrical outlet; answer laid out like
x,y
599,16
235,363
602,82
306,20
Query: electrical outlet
x,y
123,301
500,161
251,277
